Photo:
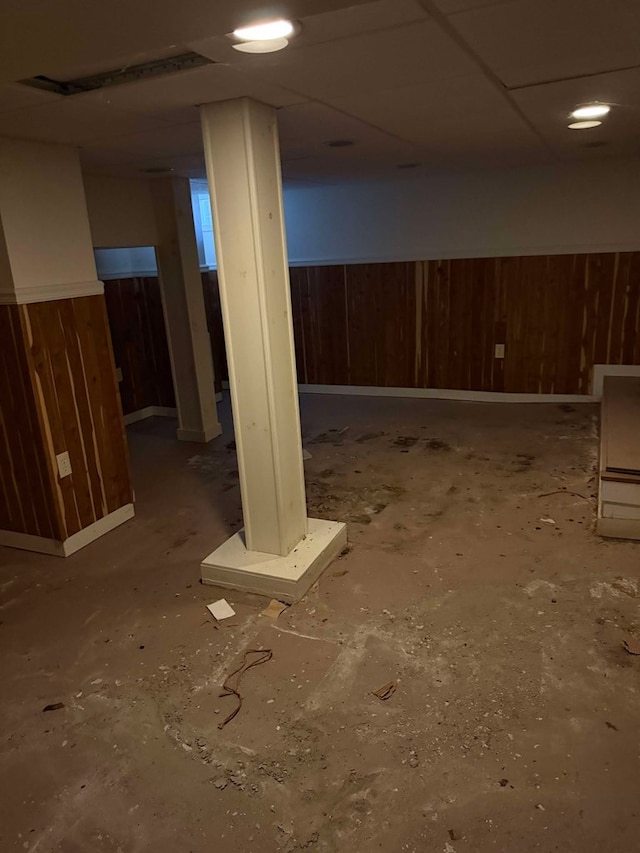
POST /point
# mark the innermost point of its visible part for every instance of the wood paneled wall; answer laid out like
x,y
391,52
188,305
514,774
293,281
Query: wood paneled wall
x,y
214,324
139,341
58,393
26,486
435,324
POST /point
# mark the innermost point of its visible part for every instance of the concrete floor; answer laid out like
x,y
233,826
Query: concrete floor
x,y
496,611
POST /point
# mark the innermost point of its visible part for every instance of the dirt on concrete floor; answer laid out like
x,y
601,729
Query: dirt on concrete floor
x,y
473,582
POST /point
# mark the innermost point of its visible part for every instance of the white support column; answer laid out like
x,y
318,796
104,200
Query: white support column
x,y
184,311
280,552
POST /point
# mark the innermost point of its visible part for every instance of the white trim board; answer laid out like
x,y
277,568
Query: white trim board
x,y
602,370
55,548
150,412
149,273
445,394
52,292
114,276
473,253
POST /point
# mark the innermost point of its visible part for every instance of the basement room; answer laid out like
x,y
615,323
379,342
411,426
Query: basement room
x,y
319,418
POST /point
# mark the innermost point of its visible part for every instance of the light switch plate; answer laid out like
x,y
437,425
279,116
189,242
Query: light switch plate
x,y
119,374
64,464
499,351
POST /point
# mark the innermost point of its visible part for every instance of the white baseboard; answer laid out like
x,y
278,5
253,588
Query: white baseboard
x,y
150,412
602,370
55,548
445,394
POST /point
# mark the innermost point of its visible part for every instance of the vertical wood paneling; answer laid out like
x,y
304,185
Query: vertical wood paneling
x,y
58,393
139,340
323,313
435,324
26,490
299,288
213,310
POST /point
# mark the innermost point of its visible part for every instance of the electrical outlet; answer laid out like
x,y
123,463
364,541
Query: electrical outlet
x,y
64,464
499,351
119,374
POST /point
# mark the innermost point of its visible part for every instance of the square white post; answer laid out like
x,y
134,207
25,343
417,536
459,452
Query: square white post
x,y
184,311
280,552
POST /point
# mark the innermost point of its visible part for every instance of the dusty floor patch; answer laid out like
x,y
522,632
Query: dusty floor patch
x,y
513,726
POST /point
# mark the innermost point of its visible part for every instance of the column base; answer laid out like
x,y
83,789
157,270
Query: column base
x,y
285,578
200,435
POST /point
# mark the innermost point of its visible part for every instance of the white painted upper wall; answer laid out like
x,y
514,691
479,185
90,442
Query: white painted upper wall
x,y
559,209
47,241
120,211
124,263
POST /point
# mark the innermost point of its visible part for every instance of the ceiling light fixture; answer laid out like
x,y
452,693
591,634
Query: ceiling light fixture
x,y
269,46
267,31
584,125
267,37
589,111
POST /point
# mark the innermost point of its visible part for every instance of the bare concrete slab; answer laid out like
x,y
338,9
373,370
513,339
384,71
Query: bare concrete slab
x,y
474,581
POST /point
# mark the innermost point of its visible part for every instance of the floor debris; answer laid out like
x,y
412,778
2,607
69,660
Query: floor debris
x,y
386,691
305,454
54,707
632,646
228,690
221,609
274,609
564,492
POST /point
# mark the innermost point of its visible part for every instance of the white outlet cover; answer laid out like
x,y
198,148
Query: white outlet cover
x,y
64,464
499,351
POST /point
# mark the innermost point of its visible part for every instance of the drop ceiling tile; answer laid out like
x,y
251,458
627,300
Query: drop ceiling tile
x,y
15,96
451,7
172,140
324,27
72,122
103,163
462,107
530,41
174,96
548,108
365,63
305,130
69,35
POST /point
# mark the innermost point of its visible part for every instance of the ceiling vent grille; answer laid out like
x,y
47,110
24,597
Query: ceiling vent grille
x,y
130,74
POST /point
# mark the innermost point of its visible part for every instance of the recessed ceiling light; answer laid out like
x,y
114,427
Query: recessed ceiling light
x,y
261,46
267,31
591,111
584,125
